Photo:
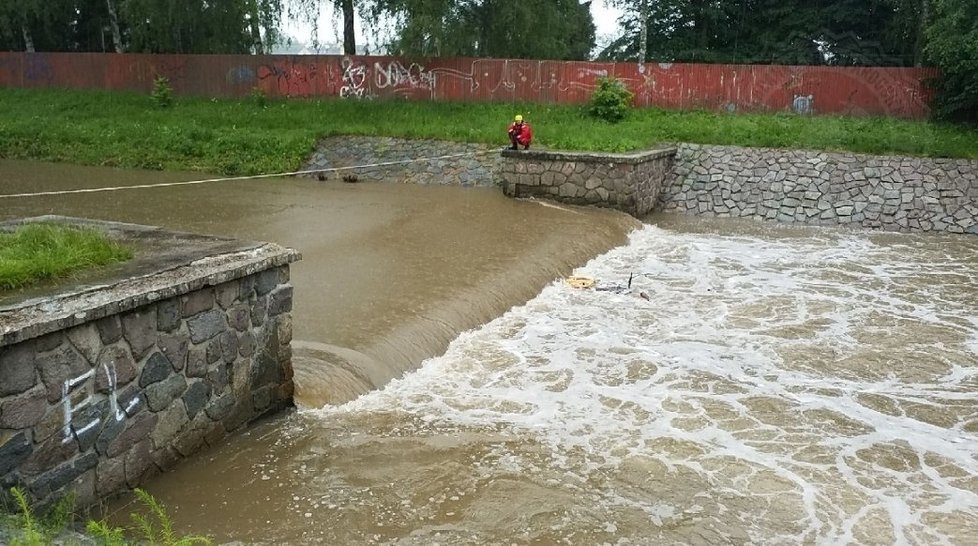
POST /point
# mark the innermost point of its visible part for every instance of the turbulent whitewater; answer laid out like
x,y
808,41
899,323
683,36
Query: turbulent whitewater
x,y
800,385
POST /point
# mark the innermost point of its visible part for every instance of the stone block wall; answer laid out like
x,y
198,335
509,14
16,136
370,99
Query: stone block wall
x,y
628,182
406,161
824,188
98,400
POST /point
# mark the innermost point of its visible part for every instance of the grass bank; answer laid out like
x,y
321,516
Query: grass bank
x,y
39,252
241,137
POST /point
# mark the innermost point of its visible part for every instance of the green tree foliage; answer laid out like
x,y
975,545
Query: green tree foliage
x,y
832,32
199,26
952,44
41,25
520,29
152,26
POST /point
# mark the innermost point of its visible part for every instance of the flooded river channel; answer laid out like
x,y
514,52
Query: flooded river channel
x,y
756,384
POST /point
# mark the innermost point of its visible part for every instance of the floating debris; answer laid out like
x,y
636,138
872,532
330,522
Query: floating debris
x,y
575,281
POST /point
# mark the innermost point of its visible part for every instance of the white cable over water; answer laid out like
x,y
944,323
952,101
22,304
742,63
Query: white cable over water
x,y
251,177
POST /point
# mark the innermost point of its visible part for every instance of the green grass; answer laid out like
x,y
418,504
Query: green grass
x,y
239,137
39,252
151,526
27,529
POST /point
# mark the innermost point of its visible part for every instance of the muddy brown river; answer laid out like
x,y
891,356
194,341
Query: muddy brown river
x,y
756,383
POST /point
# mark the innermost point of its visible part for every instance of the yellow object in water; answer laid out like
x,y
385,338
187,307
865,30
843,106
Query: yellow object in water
x,y
580,282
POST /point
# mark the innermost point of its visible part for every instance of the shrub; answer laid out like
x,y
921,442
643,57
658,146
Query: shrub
x,y
611,100
162,92
258,96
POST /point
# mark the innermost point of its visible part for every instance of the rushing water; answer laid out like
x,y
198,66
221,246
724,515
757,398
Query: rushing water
x,y
390,274
753,386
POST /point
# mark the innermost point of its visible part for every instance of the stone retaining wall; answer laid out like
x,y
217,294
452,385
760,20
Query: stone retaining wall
x,y
796,186
111,381
454,163
822,188
628,182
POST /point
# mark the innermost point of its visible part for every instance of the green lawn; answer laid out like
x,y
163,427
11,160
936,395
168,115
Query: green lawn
x,y
239,137
39,252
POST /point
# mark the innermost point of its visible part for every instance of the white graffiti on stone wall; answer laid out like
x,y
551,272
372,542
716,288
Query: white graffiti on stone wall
x,y
396,75
354,80
82,389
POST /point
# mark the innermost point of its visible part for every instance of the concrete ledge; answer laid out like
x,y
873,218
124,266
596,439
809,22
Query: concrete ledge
x,y
627,182
592,157
166,264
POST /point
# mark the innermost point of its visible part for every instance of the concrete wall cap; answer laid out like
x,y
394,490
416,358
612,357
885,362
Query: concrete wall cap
x,y
166,264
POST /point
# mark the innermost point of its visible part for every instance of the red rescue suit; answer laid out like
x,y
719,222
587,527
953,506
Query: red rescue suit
x,y
520,134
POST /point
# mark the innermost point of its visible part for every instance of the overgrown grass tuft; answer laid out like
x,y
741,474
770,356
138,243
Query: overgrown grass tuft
x,y
233,137
32,533
37,252
154,528
31,530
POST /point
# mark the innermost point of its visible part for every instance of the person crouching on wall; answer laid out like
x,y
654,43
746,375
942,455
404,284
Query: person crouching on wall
x,y
520,133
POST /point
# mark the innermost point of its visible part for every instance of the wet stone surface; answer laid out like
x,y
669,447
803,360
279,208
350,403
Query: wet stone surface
x,y
822,188
99,404
461,164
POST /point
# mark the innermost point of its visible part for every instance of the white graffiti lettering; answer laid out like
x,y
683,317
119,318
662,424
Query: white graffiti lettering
x,y
354,78
394,74
588,72
67,408
82,389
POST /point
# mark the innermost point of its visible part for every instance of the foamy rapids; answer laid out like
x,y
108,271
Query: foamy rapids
x,y
802,386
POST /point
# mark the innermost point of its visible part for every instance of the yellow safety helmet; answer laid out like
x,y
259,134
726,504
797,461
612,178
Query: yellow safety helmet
x,y
519,117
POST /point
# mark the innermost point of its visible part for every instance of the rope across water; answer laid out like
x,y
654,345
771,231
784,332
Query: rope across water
x,y
232,178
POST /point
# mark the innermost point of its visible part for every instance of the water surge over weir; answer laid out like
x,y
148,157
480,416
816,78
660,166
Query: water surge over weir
x,y
772,385
331,374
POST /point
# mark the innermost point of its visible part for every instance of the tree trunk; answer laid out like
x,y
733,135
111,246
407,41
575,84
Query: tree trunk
x,y
114,23
256,29
28,41
643,20
349,36
918,50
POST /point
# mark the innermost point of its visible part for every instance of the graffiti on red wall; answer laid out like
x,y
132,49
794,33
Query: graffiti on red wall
x,y
899,92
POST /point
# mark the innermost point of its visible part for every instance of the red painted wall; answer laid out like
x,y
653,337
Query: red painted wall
x,y
897,92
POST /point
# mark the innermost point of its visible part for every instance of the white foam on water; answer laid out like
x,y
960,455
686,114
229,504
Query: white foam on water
x,y
818,387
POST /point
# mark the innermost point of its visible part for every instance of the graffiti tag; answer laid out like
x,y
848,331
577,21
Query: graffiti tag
x,y
84,385
803,104
354,78
394,74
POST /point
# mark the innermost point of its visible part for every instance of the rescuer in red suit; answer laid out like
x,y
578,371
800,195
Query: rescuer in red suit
x,y
520,133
